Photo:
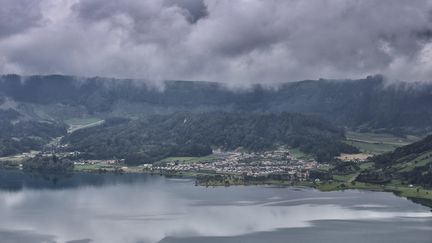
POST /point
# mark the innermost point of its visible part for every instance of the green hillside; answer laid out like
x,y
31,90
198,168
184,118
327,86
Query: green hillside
x,y
410,164
378,143
19,134
194,134
365,105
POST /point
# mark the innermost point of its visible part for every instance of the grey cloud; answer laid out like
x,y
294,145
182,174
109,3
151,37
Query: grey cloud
x,y
145,22
17,16
238,42
194,9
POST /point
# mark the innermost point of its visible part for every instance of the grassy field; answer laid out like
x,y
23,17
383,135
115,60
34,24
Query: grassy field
x,y
406,164
95,167
79,123
299,154
18,158
345,178
377,143
208,158
404,191
367,165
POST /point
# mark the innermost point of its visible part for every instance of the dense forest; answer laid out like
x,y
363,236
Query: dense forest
x,y
369,104
190,134
20,135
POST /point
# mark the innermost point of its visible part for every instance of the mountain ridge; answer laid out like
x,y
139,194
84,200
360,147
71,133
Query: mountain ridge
x,y
368,104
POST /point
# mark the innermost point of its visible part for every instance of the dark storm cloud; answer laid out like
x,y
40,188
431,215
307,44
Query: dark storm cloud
x,y
239,42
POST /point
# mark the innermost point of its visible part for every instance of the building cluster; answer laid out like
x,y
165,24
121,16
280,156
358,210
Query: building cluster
x,y
264,164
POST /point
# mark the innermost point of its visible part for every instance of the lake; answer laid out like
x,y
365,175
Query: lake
x,y
138,208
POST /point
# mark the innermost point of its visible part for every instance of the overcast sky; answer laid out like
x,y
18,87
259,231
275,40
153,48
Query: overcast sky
x,y
236,41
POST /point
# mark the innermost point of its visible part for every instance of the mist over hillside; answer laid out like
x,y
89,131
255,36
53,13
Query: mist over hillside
x,y
367,104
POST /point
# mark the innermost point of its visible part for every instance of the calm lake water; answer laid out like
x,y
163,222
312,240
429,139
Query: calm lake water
x,y
141,208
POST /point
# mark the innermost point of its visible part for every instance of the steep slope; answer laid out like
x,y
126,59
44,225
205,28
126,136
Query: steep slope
x,y
367,104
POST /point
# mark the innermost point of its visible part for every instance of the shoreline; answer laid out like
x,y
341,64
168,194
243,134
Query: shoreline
x,y
415,194
421,196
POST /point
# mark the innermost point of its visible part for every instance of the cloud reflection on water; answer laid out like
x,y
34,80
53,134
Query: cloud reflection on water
x,y
149,212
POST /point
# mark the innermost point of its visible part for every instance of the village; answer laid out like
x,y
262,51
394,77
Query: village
x,y
264,164
280,163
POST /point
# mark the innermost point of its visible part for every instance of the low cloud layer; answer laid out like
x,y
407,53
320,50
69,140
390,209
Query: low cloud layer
x,y
242,41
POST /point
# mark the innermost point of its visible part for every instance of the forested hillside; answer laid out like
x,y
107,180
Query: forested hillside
x,y
191,134
365,105
20,135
